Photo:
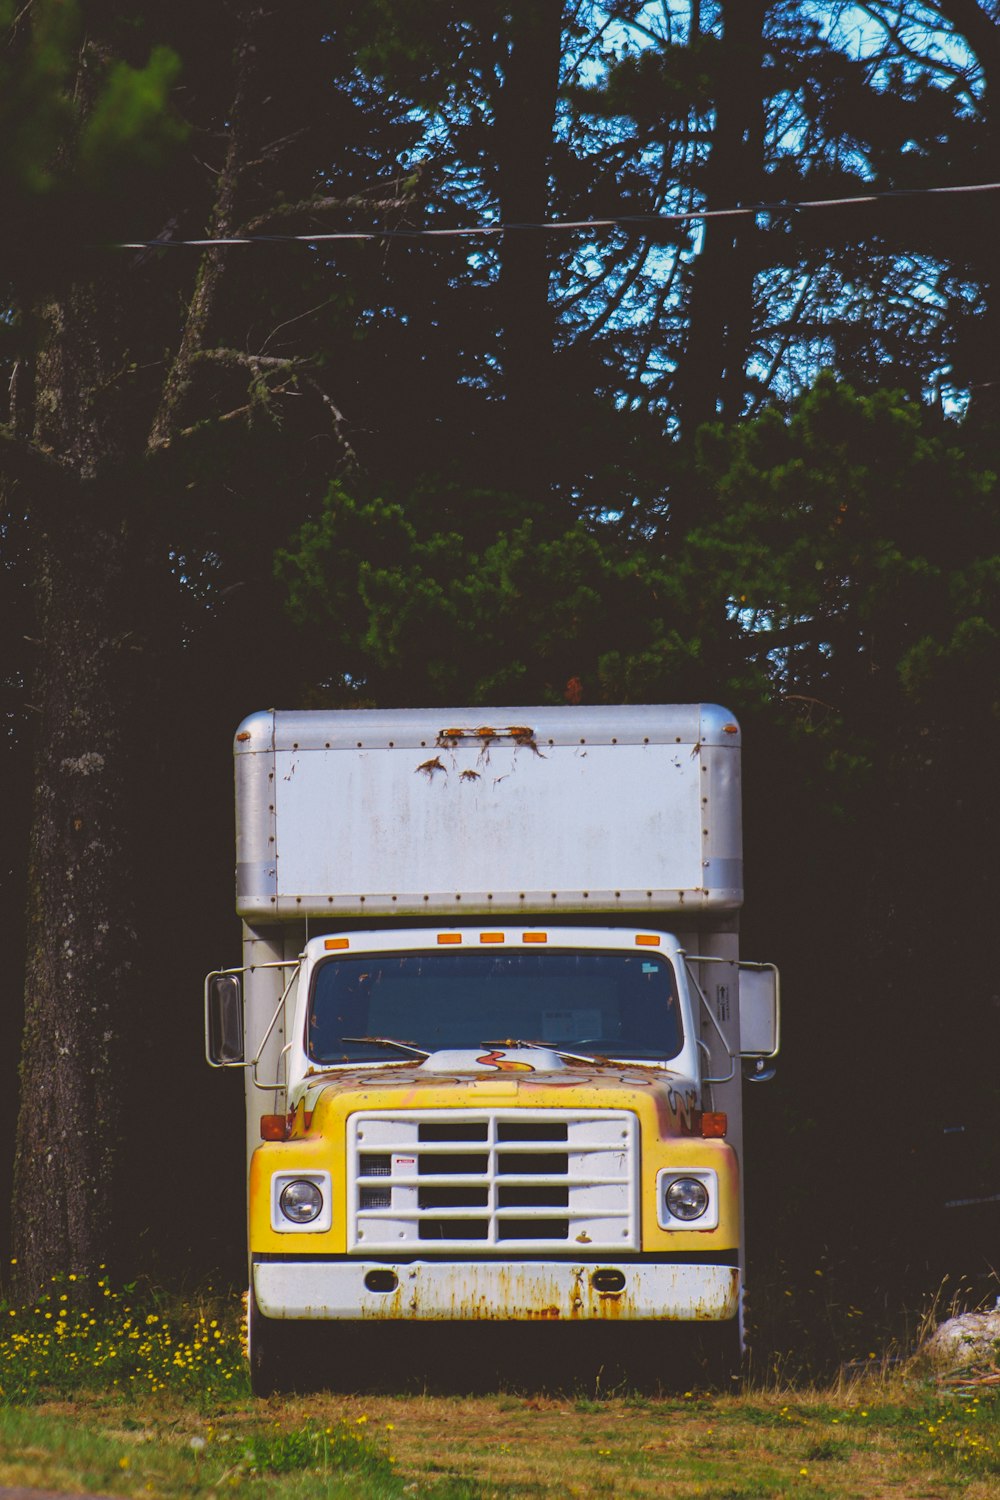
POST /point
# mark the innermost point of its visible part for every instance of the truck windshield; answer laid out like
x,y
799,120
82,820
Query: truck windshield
x,y
612,1003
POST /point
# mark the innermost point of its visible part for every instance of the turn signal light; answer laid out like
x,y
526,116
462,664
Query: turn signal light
x,y
714,1124
273,1128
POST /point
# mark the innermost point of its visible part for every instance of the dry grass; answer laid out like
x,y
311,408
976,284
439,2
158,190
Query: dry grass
x,y
760,1445
870,1439
155,1403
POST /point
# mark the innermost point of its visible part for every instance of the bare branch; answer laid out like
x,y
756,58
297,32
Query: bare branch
x,y
239,359
297,372
274,148
297,319
339,421
283,211
228,416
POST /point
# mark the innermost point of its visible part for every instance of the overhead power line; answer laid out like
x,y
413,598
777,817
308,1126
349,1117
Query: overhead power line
x,y
619,221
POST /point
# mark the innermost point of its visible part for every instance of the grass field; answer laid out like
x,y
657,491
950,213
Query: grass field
x,y
130,1396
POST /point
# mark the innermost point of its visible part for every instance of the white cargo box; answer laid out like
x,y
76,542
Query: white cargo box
x,y
471,811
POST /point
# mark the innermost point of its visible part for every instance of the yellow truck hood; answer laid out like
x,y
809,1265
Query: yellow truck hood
x,y
671,1096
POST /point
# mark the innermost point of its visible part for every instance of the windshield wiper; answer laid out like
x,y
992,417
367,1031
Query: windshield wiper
x,y
550,1047
387,1041
606,1054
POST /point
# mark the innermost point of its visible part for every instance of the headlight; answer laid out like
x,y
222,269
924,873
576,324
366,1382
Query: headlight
x,y
301,1201
687,1198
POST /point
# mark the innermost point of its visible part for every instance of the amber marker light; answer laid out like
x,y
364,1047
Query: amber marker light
x,y
647,940
273,1128
449,937
536,937
337,943
714,1124
491,937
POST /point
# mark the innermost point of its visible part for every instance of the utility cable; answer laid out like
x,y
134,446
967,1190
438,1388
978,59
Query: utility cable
x,y
619,221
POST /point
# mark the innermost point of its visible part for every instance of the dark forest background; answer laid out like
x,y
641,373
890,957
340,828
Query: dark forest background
x,y
745,459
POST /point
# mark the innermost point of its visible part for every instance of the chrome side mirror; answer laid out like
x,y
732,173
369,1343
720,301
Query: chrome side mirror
x,y
224,1043
760,1017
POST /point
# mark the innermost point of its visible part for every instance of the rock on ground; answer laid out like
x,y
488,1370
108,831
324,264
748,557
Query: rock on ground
x,y
971,1338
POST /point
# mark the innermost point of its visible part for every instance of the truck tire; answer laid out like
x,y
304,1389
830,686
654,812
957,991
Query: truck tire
x,y
719,1354
269,1348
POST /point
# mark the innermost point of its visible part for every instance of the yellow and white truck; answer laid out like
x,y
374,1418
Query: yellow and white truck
x,y
492,1017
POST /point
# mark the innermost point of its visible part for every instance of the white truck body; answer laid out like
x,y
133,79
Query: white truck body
x,y
380,813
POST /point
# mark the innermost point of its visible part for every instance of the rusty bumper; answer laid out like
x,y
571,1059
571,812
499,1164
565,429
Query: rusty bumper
x,y
528,1290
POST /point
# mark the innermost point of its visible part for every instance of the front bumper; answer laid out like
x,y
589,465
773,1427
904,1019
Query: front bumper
x,y
495,1290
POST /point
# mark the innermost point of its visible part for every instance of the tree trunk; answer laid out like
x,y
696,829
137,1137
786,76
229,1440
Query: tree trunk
x,y
203,307
711,380
525,118
80,960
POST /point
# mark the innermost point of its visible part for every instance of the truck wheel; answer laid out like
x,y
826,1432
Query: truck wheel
x,y
719,1354
269,1349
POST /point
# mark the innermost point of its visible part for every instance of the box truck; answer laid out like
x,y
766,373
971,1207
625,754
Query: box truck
x,y
493,1020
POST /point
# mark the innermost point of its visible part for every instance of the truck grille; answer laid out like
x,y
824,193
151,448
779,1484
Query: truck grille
x,y
510,1179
